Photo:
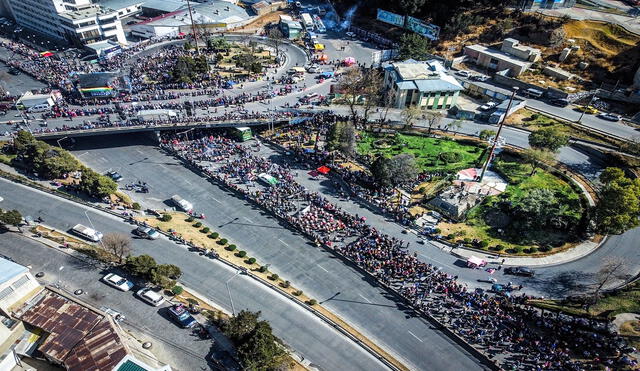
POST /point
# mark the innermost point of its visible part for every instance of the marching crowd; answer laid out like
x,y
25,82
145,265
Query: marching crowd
x,y
502,326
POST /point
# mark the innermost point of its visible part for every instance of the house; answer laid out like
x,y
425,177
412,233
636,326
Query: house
x,y
17,285
425,84
512,56
76,336
454,202
290,29
263,7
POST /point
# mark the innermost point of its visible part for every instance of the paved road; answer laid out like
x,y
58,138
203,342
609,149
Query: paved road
x,y
343,289
183,351
312,338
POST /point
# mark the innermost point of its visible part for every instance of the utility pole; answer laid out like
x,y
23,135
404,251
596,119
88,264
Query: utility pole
x,y
587,106
193,27
497,137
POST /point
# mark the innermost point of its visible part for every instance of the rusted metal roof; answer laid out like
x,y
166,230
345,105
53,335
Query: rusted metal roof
x,y
78,337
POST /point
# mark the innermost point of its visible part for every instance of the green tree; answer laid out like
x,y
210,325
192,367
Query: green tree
x,y
487,134
413,46
58,162
342,138
142,265
240,327
380,171
161,280
403,168
261,351
10,217
218,44
411,7
97,185
168,270
618,207
536,157
22,140
548,138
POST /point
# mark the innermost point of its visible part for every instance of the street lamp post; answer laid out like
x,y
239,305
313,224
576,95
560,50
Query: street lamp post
x,y
60,140
495,141
233,309
94,228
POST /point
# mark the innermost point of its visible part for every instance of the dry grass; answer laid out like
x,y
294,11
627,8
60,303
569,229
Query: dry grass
x,y
93,251
186,229
261,22
606,37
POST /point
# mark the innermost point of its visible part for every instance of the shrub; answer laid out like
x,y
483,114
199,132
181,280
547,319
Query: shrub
x,y
451,236
533,250
214,235
535,116
297,293
467,240
136,206
198,225
177,290
241,254
166,218
450,157
484,244
437,230
205,230
285,284
192,301
190,219
312,302
518,250
250,261
263,268
273,277
223,241
546,248
499,248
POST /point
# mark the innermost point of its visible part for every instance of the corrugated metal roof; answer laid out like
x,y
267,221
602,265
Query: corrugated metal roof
x,y
437,85
406,85
9,270
163,5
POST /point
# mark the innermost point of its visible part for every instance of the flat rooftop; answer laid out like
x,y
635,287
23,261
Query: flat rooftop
x,y
86,13
494,53
9,270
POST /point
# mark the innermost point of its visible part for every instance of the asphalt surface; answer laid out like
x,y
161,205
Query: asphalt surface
x,y
178,346
298,328
340,287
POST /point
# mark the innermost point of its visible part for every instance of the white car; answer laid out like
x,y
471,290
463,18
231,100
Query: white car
x,y
463,73
350,34
150,297
487,106
118,282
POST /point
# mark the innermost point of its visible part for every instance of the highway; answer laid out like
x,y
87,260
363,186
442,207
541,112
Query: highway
x,y
311,337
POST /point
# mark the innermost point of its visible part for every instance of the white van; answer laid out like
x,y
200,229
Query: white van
x,y
183,204
39,108
86,232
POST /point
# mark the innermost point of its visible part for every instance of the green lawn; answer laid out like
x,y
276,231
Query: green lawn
x,y
426,150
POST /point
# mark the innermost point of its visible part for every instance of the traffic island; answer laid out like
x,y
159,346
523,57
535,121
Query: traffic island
x,y
192,231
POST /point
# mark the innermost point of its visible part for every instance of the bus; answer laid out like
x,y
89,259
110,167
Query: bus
x,y
86,232
307,21
243,133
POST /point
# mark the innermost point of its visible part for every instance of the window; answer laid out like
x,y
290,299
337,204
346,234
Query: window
x,y
21,281
6,292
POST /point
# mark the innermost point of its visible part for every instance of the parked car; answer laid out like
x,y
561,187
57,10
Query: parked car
x,y
14,71
591,110
350,34
480,77
150,297
118,282
114,175
519,271
609,117
180,314
559,102
308,97
487,106
146,232
463,74
314,68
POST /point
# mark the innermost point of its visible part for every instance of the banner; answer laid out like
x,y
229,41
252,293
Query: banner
x,y
391,18
428,30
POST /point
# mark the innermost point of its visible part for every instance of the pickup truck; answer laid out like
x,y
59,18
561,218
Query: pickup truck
x,y
181,203
180,314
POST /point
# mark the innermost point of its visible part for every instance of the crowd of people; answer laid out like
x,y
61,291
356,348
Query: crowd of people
x,y
502,326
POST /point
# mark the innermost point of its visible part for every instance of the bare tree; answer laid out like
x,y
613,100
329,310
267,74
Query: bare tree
x,y
371,87
536,157
411,115
432,119
276,39
387,102
454,126
613,268
118,244
351,85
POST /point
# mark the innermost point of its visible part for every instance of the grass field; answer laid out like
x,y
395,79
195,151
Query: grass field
x,y
427,151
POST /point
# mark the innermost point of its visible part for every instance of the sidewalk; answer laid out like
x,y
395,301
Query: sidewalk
x,y
580,251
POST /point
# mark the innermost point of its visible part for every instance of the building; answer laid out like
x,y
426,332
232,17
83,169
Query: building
x,y
17,285
547,4
92,24
76,336
291,29
125,8
263,7
501,109
454,202
76,21
512,56
425,84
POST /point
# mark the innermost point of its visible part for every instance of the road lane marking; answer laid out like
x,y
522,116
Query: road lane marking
x,y
367,300
414,335
284,243
437,261
247,219
215,199
82,154
322,268
139,151
186,181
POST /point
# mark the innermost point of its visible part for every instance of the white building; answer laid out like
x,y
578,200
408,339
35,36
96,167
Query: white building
x,y
76,21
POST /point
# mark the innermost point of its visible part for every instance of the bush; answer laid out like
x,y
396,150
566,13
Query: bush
x,y
451,236
166,218
499,248
241,254
273,277
231,247
297,293
223,241
198,225
450,157
518,250
177,290
192,301
484,244
467,240
546,248
205,230
136,206
437,230
312,302
250,261
533,250
263,268
214,235
535,116
190,219
285,284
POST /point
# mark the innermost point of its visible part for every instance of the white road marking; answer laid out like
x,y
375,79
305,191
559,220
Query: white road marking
x,y
82,154
188,182
215,199
367,300
164,167
154,199
284,243
437,261
139,151
247,219
322,268
414,335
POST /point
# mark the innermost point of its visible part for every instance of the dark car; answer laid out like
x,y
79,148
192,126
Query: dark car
x,y
519,271
114,175
559,102
180,314
14,71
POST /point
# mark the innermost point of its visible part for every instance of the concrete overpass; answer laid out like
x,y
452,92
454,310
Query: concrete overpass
x,y
112,130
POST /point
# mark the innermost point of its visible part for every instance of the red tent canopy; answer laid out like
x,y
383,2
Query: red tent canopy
x,y
323,170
